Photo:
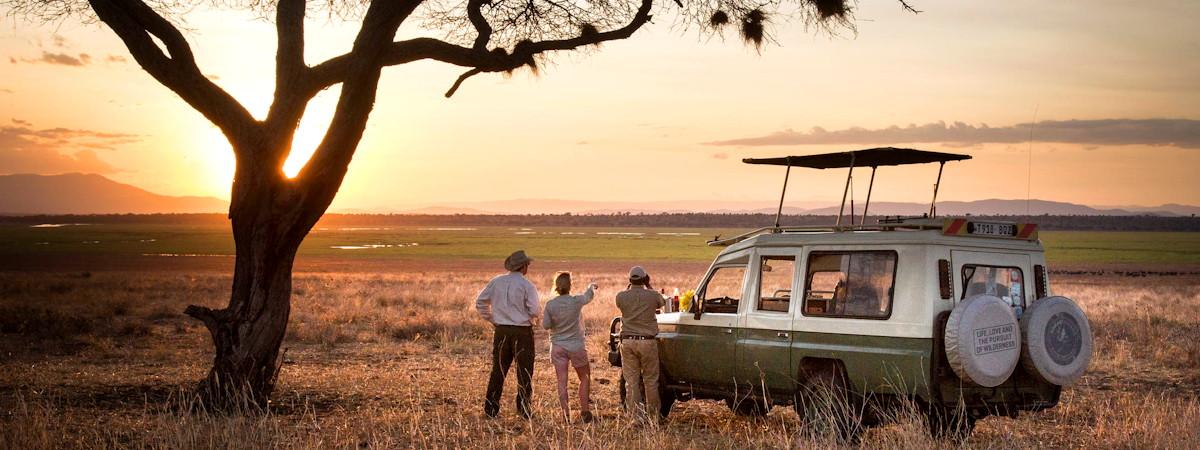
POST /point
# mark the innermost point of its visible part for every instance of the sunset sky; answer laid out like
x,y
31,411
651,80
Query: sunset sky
x,y
1113,86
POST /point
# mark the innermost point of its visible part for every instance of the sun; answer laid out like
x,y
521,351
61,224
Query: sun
x,y
311,131
220,163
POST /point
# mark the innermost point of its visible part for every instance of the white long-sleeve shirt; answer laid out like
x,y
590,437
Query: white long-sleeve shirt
x,y
508,299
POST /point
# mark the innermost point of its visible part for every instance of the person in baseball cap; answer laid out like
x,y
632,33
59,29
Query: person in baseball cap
x,y
639,348
510,303
638,275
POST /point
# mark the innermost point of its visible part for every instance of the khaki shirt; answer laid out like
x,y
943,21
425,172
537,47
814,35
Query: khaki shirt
x,y
637,305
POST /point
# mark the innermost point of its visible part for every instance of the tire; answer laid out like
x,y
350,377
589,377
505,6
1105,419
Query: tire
x,y
666,397
746,406
621,390
950,423
1058,340
983,340
825,402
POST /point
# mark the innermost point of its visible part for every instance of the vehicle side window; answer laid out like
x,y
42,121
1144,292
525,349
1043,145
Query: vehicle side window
x,y
723,291
775,282
1004,282
850,284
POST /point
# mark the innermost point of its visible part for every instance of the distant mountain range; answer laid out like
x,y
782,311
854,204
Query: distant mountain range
x,y
77,193
95,194
978,207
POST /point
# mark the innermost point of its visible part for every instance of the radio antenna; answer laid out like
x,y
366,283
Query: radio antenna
x,y
1029,164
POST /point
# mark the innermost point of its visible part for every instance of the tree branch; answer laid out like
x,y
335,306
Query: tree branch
x,y
461,79
904,4
321,176
137,24
290,71
481,24
335,70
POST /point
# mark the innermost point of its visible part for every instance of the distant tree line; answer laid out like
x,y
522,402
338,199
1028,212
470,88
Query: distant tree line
x,y
666,220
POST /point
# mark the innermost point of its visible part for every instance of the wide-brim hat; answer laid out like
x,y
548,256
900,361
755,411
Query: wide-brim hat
x,y
516,260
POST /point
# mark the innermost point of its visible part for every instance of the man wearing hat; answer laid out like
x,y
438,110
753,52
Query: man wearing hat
x,y
510,303
639,348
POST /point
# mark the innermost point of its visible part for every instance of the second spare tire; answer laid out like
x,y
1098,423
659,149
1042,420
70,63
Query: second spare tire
x,y
983,340
1058,340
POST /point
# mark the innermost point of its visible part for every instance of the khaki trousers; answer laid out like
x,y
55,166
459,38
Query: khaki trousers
x,y
639,366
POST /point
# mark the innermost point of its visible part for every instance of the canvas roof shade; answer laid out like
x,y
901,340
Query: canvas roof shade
x,y
872,157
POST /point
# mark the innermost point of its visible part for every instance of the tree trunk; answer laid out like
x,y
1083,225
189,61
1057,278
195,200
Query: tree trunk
x,y
247,334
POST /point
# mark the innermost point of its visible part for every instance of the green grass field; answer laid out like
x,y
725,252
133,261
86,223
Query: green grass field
x,y
1062,247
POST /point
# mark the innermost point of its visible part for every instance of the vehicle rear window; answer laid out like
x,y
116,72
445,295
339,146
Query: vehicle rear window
x,y
775,282
850,284
1004,282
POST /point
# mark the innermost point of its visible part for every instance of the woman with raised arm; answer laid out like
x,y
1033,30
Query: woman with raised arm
x,y
562,316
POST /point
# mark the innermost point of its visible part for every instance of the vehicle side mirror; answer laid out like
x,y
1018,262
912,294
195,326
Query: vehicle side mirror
x,y
697,307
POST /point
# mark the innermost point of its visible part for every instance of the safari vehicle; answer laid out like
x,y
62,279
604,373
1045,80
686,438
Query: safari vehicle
x,y
952,315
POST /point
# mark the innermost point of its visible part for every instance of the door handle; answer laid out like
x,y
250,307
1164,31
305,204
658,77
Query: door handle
x,y
728,331
781,334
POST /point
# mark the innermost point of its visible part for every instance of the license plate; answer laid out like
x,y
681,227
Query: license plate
x,y
991,229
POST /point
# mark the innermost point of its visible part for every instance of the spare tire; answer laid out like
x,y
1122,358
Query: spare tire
x,y
1058,340
983,340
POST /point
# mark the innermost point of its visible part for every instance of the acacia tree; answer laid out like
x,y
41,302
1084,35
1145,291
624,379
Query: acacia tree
x,y
271,213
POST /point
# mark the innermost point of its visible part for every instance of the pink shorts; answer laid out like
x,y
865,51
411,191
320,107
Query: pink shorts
x,y
560,356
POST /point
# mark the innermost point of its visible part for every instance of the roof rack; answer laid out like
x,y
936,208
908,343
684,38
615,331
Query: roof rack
x,y
871,157
887,224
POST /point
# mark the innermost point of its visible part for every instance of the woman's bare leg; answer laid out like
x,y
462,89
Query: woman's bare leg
x,y
585,387
560,370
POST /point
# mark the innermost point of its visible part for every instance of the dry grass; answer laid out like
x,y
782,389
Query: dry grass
x,y
400,360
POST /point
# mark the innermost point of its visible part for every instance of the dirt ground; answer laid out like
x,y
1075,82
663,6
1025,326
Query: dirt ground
x,y
392,355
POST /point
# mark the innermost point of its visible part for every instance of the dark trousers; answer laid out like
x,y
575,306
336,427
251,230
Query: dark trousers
x,y
508,343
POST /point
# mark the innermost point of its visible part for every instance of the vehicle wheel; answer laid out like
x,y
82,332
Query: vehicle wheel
x,y
746,407
621,390
666,399
950,423
826,404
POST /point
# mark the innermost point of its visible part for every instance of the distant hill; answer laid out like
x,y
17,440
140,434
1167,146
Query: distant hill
x,y
76,193
1169,208
978,208
988,207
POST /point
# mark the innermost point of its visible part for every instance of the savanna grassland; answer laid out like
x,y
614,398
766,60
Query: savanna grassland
x,y
385,350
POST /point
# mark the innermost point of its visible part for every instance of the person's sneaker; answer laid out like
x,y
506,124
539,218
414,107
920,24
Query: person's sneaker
x,y
587,417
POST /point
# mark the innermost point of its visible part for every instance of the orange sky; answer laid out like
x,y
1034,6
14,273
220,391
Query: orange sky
x,y
641,119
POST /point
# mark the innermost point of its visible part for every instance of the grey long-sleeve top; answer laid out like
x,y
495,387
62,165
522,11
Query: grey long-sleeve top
x,y
562,317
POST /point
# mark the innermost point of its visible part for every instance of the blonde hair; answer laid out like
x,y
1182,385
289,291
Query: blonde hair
x,y
562,283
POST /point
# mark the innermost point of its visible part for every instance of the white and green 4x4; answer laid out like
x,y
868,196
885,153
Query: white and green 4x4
x,y
953,315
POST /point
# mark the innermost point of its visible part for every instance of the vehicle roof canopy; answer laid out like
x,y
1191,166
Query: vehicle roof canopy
x,y
871,157
867,157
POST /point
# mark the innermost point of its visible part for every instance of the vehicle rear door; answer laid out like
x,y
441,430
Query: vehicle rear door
x,y
1002,274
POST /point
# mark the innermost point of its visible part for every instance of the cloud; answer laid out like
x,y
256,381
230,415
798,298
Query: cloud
x,y
6,90
1180,133
24,149
115,59
721,155
61,59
